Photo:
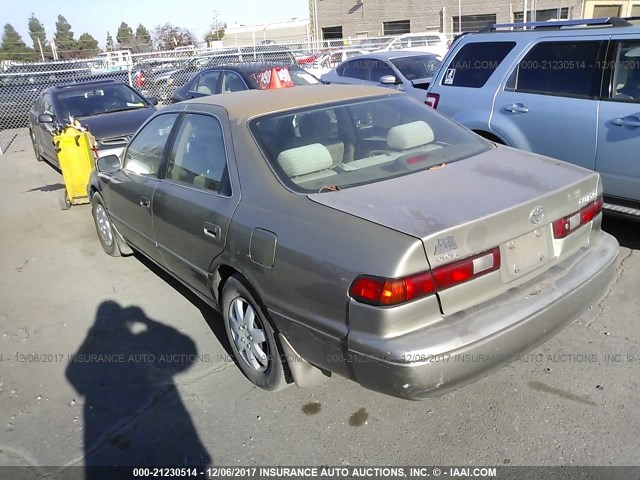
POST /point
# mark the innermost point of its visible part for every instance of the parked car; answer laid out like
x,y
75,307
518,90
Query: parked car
x,y
326,60
166,83
20,85
566,89
111,110
235,78
429,42
354,230
410,72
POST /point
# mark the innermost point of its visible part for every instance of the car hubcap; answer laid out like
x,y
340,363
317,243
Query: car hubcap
x,y
104,226
248,335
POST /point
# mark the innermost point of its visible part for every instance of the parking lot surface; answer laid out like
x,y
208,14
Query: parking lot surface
x,y
107,360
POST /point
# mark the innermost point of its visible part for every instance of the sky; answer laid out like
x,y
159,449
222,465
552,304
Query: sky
x,y
99,16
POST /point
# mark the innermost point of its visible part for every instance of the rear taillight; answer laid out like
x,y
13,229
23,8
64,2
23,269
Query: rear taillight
x,y
394,291
382,291
432,100
464,270
570,223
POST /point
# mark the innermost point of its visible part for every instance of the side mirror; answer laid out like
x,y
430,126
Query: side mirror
x,y
389,80
45,118
152,100
108,164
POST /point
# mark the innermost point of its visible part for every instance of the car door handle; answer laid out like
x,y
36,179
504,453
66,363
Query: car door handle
x,y
145,202
516,108
212,230
630,121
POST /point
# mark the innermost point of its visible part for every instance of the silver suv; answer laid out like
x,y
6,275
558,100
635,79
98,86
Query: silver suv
x,y
566,89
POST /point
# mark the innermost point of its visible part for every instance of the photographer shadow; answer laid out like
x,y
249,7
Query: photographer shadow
x,y
133,412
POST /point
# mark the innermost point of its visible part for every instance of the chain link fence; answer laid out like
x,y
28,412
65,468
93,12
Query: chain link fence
x,y
154,74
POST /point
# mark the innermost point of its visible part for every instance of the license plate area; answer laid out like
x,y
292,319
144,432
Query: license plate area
x,y
528,252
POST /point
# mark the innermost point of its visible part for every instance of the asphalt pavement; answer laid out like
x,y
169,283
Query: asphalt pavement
x,y
108,360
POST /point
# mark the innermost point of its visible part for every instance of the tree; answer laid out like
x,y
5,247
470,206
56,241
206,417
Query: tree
x,y
87,45
125,36
13,47
39,38
169,36
109,43
65,43
216,33
143,39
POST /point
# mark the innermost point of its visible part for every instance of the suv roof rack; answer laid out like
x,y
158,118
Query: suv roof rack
x,y
559,24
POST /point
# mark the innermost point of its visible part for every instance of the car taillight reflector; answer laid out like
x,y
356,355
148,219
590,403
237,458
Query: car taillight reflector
x,y
394,291
570,223
464,270
382,291
432,100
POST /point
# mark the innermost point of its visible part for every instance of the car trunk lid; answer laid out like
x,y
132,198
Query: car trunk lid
x,y
502,198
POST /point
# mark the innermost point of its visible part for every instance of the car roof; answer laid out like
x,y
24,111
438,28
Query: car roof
x,y
247,104
250,67
598,28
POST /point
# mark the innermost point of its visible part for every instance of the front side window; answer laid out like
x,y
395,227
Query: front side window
x,y
144,154
415,67
356,69
626,73
474,64
198,156
232,82
207,83
359,142
379,69
558,68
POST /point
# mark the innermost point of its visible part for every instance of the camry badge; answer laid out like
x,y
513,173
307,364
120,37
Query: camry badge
x,y
536,215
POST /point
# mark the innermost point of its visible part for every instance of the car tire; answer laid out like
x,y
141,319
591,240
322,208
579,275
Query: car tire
x,y
35,147
251,336
104,227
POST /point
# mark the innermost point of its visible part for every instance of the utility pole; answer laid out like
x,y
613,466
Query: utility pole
x,y
40,45
459,17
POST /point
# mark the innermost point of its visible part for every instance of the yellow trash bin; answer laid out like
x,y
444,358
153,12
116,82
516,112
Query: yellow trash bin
x,y
74,146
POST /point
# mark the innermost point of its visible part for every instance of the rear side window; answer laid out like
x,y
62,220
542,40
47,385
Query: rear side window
x,y
474,64
565,69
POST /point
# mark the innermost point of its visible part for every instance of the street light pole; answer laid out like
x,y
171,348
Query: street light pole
x,y
459,17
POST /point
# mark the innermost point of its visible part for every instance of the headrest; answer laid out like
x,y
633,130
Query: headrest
x,y
409,135
302,160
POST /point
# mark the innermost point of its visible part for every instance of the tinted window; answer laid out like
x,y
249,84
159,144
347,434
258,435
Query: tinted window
x,y
198,156
144,154
207,83
420,66
379,69
558,68
626,74
98,99
474,63
232,82
360,141
356,69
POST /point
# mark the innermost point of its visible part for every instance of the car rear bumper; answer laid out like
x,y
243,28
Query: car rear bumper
x,y
465,346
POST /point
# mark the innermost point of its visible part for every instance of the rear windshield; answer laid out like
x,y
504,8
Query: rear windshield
x,y
474,63
414,67
359,142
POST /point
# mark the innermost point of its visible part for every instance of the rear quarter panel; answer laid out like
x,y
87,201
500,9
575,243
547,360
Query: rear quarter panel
x,y
319,251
